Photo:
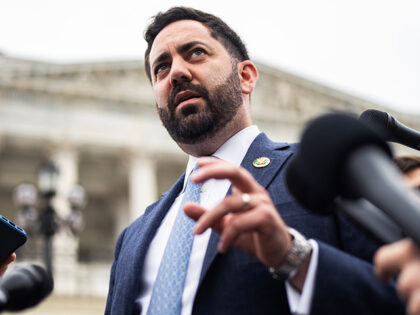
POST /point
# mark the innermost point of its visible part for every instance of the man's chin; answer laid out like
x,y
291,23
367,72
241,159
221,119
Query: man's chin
x,y
192,130
188,110
190,119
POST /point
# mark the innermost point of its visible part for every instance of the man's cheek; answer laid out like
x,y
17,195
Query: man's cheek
x,y
160,101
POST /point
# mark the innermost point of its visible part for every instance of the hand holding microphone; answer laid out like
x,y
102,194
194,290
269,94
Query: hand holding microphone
x,y
402,257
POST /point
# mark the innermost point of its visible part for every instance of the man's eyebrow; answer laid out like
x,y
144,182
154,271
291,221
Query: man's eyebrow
x,y
161,57
181,49
187,46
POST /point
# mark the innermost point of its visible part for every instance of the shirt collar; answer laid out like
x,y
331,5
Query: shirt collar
x,y
233,150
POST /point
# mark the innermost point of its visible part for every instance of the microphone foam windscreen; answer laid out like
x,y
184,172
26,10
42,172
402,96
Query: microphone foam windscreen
x,y
315,175
26,286
317,200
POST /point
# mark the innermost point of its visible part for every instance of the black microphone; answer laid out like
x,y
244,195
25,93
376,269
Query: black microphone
x,y
340,156
394,131
370,219
25,286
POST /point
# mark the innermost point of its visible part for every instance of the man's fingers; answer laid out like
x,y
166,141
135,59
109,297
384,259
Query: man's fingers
x,y
219,169
194,210
4,265
234,228
401,256
9,260
231,204
270,235
409,279
413,306
391,258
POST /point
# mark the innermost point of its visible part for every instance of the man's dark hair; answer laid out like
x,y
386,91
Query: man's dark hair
x,y
407,163
218,29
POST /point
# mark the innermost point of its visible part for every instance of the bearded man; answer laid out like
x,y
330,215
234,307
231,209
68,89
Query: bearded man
x,y
242,256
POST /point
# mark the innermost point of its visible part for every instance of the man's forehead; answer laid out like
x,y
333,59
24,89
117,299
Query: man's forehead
x,y
177,33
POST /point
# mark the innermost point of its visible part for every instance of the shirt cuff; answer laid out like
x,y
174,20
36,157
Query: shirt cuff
x,y
300,303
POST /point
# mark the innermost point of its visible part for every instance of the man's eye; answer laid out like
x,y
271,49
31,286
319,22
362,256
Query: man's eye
x,y
160,68
198,52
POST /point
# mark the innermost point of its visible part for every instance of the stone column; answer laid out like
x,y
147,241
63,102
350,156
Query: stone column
x,y
142,185
1,140
65,245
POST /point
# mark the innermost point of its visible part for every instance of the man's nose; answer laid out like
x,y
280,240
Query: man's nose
x,y
180,72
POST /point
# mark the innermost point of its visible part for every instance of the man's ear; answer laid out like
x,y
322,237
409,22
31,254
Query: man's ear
x,y
248,76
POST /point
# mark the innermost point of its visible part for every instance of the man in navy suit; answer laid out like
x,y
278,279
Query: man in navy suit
x,y
248,255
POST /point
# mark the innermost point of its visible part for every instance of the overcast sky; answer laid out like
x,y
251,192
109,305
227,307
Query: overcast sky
x,y
369,48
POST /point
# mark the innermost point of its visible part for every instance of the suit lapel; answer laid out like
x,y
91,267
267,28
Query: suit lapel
x,y
152,219
264,147
136,243
260,147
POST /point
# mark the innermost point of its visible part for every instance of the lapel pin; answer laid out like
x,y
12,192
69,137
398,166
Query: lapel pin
x,y
261,162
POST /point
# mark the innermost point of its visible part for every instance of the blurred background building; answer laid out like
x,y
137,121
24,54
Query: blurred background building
x,y
97,122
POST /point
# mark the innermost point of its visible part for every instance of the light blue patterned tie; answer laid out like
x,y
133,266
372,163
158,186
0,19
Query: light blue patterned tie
x,y
169,285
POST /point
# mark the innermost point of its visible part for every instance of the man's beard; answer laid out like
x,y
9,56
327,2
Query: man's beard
x,y
222,104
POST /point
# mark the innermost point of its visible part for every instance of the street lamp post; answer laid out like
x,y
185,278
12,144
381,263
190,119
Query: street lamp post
x,y
45,221
47,184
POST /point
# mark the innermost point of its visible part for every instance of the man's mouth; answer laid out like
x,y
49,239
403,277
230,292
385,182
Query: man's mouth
x,y
184,97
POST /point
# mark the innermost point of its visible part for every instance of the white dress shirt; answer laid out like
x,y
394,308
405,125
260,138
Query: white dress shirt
x,y
213,192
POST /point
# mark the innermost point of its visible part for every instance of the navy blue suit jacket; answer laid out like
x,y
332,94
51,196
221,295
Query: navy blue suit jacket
x,y
235,283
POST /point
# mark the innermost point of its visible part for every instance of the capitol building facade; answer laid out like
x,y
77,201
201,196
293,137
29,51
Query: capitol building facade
x,y
98,123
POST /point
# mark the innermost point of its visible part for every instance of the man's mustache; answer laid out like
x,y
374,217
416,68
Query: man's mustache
x,y
183,87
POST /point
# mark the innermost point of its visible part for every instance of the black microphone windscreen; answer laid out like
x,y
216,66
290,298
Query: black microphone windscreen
x,y
315,175
318,200
25,286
